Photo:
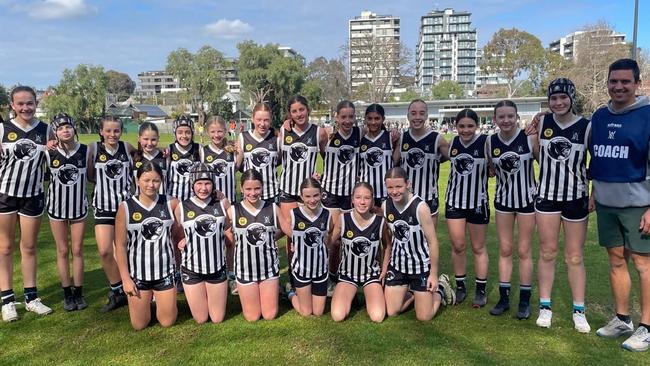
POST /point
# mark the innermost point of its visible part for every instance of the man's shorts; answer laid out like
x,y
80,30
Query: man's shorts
x,y
620,227
289,198
528,210
575,210
330,201
415,282
434,205
477,216
24,206
318,285
192,278
163,284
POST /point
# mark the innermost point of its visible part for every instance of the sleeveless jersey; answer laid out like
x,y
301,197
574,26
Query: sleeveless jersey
x,y
562,159
360,248
223,165
112,177
421,161
513,166
22,167
159,160
410,251
261,155
299,154
308,236
205,245
150,251
256,253
340,166
66,194
376,158
180,164
467,187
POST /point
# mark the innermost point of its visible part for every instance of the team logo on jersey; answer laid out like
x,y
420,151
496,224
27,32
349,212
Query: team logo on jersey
x,y
55,163
249,147
415,158
24,149
260,157
301,225
391,217
191,214
559,148
114,169
364,147
510,162
337,142
373,156
298,152
152,228
205,226
454,152
219,167
313,237
349,234
184,166
102,157
496,151
138,164
463,163
136,216
12,136
345,154
256,234
174,156
68,174
209,158
361,246
288,139
242,221
401,231
548,132
405,147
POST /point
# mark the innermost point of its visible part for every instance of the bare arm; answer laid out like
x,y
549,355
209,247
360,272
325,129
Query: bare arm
x,y
120,251
397,152
90,164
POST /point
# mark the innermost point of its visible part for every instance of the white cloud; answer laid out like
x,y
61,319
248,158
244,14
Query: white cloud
x,y
228,29
57,9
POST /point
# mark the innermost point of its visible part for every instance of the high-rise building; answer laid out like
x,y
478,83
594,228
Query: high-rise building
x,y
151,83
567,46
446,50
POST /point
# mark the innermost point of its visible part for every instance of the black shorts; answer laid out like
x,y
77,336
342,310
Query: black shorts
x,y
415,282
192,278
576,210
528,210
346,279
104,217
318,285
24,206
330,201
477,216
163,284
434,205
289,198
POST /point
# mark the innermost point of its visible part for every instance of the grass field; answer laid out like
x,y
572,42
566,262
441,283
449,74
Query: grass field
x,y
457,336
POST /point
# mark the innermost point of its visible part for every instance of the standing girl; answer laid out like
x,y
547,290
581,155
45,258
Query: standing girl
x,y
183,153
67,206
220,156
147,150
376,153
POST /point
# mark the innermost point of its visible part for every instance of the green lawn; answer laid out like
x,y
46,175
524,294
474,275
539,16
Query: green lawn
x,y
457,336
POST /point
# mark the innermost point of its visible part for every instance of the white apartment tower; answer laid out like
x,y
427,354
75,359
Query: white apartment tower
x,y
567,45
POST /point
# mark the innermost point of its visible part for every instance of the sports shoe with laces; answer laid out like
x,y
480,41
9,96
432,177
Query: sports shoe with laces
x,y
544,318
580,323
500,308
639,341
80,302
523,311
115,301
461,294
36,306
616,328
233,288
9,313
450,295
480,299
69,304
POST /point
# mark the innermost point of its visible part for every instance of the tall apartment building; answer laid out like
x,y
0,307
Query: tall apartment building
x,y
567,45
151,83
483,78
446,50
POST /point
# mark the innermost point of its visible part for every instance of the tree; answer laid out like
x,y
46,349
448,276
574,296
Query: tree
x,y
81,93
409,95
332,79
201,74
4,101
120,85
313,91
447,89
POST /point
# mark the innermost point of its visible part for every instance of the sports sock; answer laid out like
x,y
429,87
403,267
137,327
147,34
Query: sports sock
x,y
480,285
460,282
77,292
67,291
545,304
7,296
623,318
30,294
579,307
524,294
504,291
646,326
441,291
117,288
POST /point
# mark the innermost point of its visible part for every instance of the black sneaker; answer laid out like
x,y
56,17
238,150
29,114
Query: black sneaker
x,y
69,304
461,294
501,307
80,302
480,299
115,301
523,311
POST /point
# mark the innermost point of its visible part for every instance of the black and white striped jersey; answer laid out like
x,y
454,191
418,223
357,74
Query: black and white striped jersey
x,y
376,159
181,162
205,245
22,167
66,194
562,159
513,166
157,159
261,155
222,163
308,236
410,250
256,253
149,247
360,248
112,177
421,160
341,163
468,179
299,154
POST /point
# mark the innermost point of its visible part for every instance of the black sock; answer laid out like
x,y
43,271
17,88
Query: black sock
x,y
646,326
7,296
441,291
77,292
480,285
623,318
460,282
504,291
524,294
30,294
67,291
117,288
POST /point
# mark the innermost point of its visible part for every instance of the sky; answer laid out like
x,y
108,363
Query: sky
x,y
40,38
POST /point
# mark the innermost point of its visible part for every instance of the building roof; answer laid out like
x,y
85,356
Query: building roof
x,y
151,110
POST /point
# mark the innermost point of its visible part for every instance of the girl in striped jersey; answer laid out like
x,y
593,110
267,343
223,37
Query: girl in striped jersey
x,y
183,153
411,257
147,150
467,204
203,266
362,234
562,199
419,153
23,143
511,158
257,268
109,167
309,226
376,152
67,206
144,250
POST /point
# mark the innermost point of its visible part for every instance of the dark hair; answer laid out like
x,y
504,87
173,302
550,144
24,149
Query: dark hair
x,y
397,172
149,166
363,185
296,99
417,101
310,182
342,104
505,103
145,126
21,88
467,113
251,174
108,119
377,108
626,64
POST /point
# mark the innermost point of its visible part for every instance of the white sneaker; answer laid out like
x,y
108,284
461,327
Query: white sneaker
x,y
639,341
616,328
544,318
580,323
9,313
233,288
36,306
450,295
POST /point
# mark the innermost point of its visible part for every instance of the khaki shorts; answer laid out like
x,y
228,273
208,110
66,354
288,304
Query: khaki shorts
x,y
619,227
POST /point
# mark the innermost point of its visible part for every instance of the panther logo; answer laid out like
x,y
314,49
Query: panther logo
x,y
219,167
24,149
510,162
114,169
298,152
559,148
313,237
152,228
361,246
346,153
260,157
401,231
68,174
415,158
184,166
373,156
205,226
256,235
463,164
